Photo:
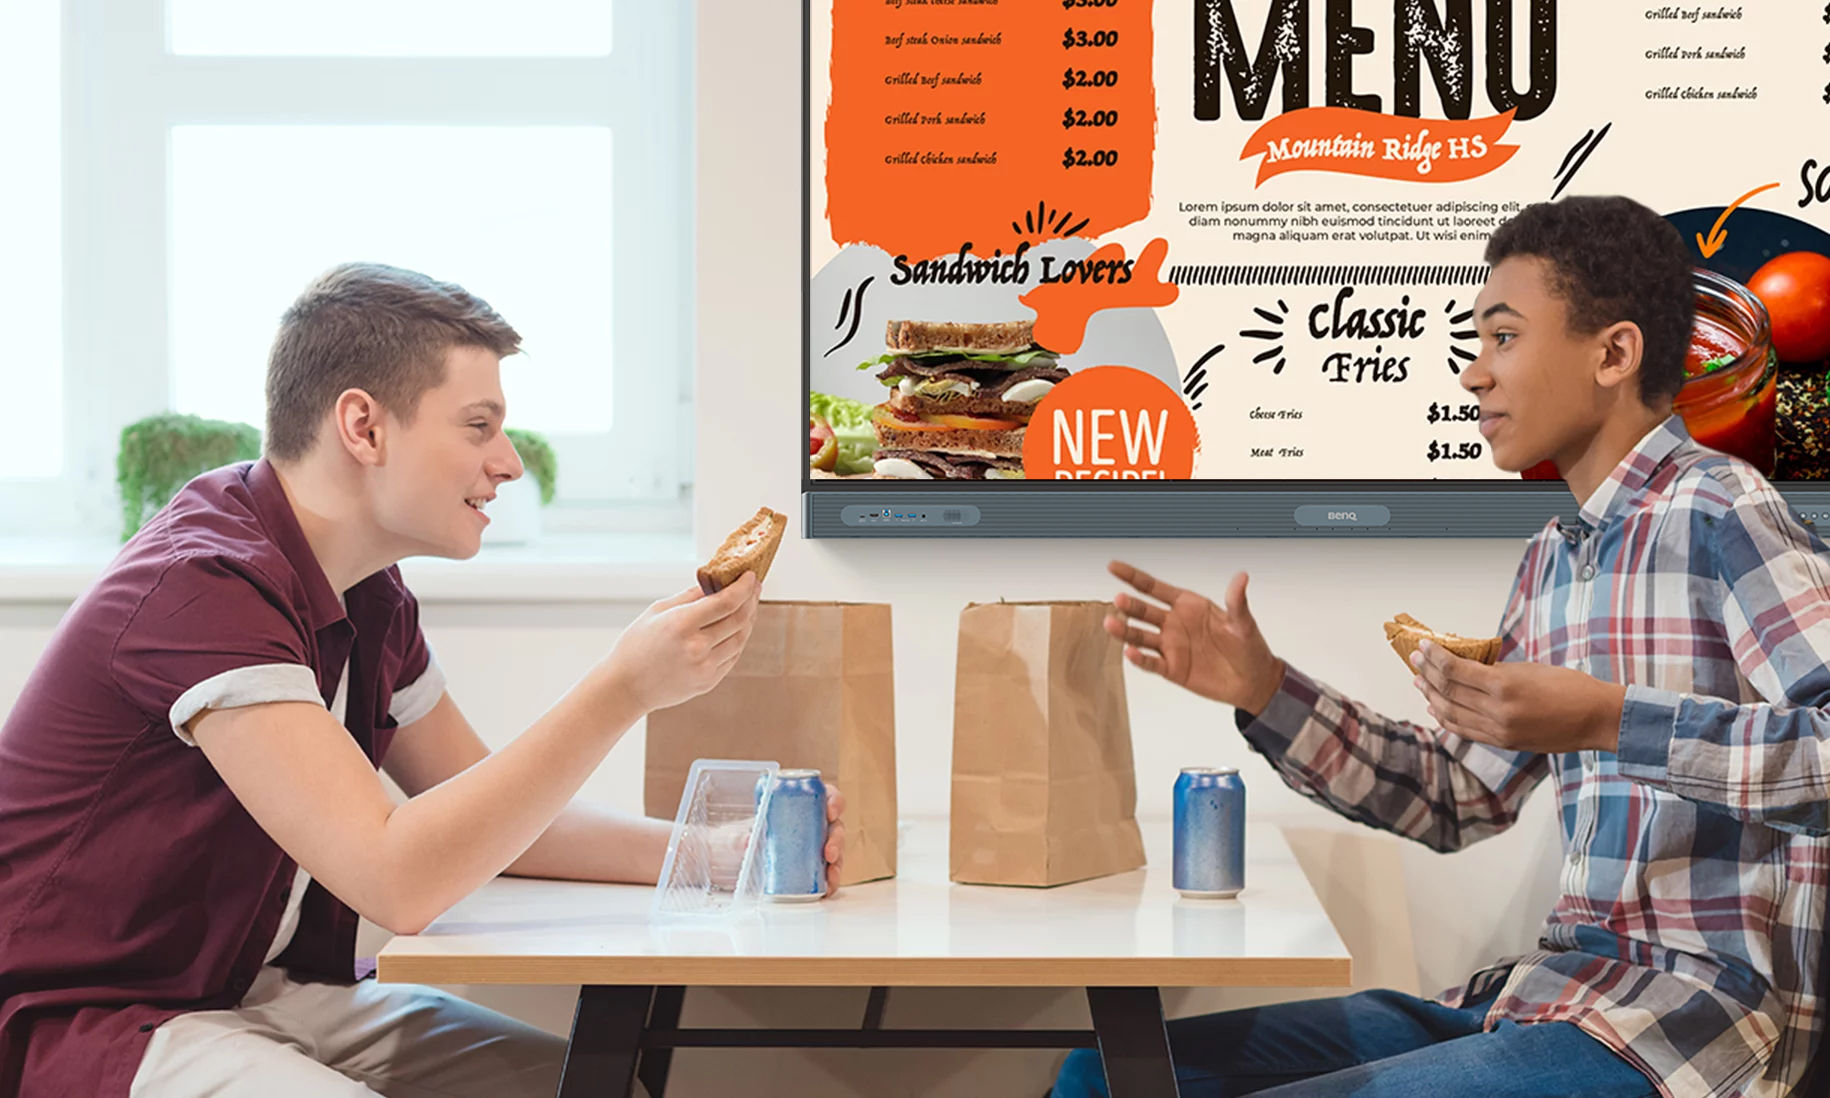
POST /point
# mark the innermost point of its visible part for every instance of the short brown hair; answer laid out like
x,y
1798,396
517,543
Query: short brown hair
x,y
369,326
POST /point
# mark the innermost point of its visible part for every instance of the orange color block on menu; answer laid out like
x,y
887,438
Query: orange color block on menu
x,y
1103,280
987,125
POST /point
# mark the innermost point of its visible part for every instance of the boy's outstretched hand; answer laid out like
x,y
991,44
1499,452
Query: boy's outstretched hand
x,y
1216,651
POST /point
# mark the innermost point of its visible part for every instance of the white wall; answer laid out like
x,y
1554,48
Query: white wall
x,y
1413,920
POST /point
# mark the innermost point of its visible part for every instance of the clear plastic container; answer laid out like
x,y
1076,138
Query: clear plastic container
x,y
709,875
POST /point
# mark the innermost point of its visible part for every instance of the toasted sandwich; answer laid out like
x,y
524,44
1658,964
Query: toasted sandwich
x,y
1404,633
960,399
750,548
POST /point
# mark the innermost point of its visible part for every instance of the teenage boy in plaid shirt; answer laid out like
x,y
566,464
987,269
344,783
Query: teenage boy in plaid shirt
x,y
1663,664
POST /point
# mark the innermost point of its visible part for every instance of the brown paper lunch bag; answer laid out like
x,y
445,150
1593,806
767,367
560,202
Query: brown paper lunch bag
x,y
1044,786
813,688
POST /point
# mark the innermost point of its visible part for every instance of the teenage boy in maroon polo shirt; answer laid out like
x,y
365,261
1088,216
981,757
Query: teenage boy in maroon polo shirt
x,y
191,818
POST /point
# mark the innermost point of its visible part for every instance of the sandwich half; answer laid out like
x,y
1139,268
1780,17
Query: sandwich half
x,y
1404,633
960,398
749,548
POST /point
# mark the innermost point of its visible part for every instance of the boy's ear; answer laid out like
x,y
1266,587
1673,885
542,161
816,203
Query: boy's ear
x,y
359,421
1623,348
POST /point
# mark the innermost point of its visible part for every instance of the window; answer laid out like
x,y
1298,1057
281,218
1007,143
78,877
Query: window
x,y
393,28
209,157
31,278
453,200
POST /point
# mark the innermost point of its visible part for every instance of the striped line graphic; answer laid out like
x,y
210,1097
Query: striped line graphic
x,y
1218,274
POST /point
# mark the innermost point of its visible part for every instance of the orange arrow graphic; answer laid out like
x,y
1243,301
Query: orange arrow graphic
x,y
1717,237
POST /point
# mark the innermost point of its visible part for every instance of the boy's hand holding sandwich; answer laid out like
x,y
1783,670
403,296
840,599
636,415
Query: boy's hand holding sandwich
x,y
1518,705
683,645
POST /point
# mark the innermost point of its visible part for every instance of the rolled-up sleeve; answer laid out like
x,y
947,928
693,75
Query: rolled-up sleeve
x,y
211,633
415,699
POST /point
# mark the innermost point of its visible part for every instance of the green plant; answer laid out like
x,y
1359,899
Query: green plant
x,y
537,456
160,454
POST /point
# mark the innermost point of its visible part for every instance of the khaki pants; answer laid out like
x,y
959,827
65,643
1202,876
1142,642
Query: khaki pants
x,y
289,1039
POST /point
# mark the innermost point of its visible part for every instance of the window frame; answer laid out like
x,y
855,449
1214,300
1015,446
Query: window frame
x,y
124,91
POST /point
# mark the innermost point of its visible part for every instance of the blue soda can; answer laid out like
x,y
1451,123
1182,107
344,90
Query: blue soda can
x,y
1209,832
794,837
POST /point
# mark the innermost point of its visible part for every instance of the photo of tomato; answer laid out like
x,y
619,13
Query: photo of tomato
x,y
895,418
1795,287
975,423
822,444
892,416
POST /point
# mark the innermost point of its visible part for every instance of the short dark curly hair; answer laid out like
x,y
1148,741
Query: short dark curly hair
x,y
1613,260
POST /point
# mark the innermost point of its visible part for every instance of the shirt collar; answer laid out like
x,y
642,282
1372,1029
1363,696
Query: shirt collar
x,y
1620,490
321,602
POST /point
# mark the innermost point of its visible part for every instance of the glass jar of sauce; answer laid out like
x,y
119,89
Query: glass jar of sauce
x,y
1731,373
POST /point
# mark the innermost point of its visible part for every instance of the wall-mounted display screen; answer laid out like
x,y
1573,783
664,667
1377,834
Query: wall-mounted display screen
x,y
1191,266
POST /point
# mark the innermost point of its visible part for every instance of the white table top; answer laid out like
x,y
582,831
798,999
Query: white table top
x,y
918,929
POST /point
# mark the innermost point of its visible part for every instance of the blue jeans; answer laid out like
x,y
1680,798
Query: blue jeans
x,y
1377,1044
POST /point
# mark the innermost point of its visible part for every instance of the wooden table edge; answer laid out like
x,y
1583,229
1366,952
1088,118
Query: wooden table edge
x,y
1265,972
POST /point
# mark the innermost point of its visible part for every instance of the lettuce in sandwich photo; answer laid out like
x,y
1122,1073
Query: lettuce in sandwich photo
x,y
840,438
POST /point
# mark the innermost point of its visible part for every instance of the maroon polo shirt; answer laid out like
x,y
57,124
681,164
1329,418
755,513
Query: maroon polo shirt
x,y
133,885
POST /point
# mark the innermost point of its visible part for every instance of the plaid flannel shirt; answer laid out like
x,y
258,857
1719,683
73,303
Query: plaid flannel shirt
x,y
1688,934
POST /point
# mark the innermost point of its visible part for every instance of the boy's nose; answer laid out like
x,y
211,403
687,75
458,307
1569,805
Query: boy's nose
x,y
507,464
1474,376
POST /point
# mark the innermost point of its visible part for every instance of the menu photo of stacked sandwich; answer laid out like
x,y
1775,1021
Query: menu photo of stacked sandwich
x,y
960,398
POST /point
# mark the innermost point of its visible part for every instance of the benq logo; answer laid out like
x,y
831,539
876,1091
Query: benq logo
x,y
1343,516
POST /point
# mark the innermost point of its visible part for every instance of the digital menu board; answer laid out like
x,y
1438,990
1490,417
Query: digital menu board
x,y
1239,240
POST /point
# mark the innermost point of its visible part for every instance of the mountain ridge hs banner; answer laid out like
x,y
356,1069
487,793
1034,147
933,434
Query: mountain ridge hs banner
x,y
1044,784
814,687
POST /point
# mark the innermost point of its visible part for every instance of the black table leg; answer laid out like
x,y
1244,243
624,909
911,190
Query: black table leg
x,y
606,1038
1133,1044
873,1007
656,1061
